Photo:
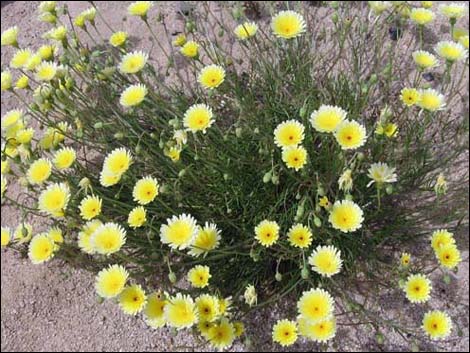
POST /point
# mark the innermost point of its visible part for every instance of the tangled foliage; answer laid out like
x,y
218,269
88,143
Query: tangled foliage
x,y
272,152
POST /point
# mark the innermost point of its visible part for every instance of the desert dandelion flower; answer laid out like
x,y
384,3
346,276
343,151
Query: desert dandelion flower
x,y
378,7
326,260
46,71
289,133
198,117
288,24
110,282
199,276
84,236
133,95
90,207
417,288
64,158
137,217
449,256
422,16
133,62
118,161
108,238
207,239
20,58
154,311
41,249
6,237
139,8
431,100
118,39
300,236
409,96
346,216
222,334
145,190
381,174
464,41
11,118
39,171
440,238
345,181
424,60
285,333
453,11
321,331
54,199
405,259
132,299
23,233
10,37
211,76
295,157
179,232
250,295
246,30
327,118
437,324
350,135
181,312
6,80
451,51
207,307
190,49
316,305
267,233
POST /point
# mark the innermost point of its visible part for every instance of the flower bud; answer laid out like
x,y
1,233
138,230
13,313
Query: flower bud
x,y
172,277
305,273
278,277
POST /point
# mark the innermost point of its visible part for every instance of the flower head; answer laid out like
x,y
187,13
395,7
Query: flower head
x,y
222,334
350,135
327,118
20,58
295,157
211,76
451,51
39,171
6,237
133,62
425,60
118,161
84,236
250,295
345,181
145,190
190,49
179,232
90,207
137,217
437,324
10,36
132,299
246,30
326,260
207,239
431,100
289,133
199,276
110,282
285,333
300,236
453,11
207,307
378,7
320,331
118,39
6,80
463,40
108,238
449,256
316,305
381,173
64,158
139,8
181,312
440,238
410,96
288,24
198,117
46,71
405,259
417,288
346,216
154,311
133,95
54,199
41,249
422,16
267,233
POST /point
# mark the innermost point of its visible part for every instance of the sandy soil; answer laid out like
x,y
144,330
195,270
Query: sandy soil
x,y
54,308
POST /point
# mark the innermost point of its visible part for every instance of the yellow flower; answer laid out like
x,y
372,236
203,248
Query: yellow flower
x,y
139,8
453,11
6,237
451,51
437,324
390,130
6,80
409,96
327,118
39,171
250,295
378,7
20,58
320,331
90,207
417,288
56,235
47,6
295,157
46,71
11,118
204,328
458,33
10,36
225,306
350,135
246,30
207,307
118,161
173,153
64,158
84,237
381,173
110,282
427,4
108,238
289,133
285,333
267,233
211,76
133,62
326,260
180,40
441,238
300,236
180,312
190,49
405,259
239,328
118,39
431,100
441,185
346,216
288,24
424,60
464,41
207,239
41,249
137,217
48,18
449,256
89,14
324,202
23,233
79,21
132,299
34,62
198,117
345,181
179,232
133,95
108,178
222,335
199,276
422,16
145,190
6,166
22,82
154,311
59,34
316,305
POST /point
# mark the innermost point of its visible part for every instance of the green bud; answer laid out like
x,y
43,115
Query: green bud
x,y
334,18
349,197
154,136
238,132
256,131
305,273
164,188
182,173
360,156
100,300
98,125
278,277
379,338
237,13
303,111
275,179
161,144
373,79
229,61
320,190
172,277
300,210
447,279
267,177
389,189
138,149
334,4
317,222
226,176
254,255
118,135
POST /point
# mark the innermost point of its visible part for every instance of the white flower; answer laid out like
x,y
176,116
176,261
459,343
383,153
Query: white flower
x,y
381,173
